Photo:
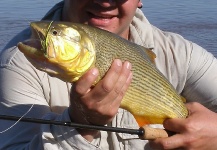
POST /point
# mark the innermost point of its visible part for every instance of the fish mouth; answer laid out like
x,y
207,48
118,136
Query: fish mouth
x,y
39,32
35,47
40,29
32,48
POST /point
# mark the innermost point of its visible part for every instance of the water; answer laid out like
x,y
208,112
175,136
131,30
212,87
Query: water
x,y
193,19
16,16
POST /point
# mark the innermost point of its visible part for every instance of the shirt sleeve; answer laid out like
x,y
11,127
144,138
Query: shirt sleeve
x,y
201,83
22,94
191,69
65,137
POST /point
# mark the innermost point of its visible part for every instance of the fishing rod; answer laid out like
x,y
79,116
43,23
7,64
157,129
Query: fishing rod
x,y
144,133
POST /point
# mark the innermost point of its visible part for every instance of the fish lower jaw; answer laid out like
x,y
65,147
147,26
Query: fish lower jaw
x,y
29,50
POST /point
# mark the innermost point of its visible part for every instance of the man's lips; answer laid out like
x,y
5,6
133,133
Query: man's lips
x,y
101,19
101,15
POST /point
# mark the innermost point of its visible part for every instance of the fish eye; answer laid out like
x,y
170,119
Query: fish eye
x,y
55,32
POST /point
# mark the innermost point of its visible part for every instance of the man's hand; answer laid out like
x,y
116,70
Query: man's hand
x,y
99,104
197,132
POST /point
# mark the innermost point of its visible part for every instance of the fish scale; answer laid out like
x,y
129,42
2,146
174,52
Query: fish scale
x,y
154,81
150,97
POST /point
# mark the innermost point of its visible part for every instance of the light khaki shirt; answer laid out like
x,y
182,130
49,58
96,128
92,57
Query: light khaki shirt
x,y
24,89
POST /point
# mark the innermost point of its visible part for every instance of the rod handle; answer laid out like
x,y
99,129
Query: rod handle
x,y
153,133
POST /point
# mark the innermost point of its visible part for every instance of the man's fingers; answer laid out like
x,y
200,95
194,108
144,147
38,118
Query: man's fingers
x,y
176,125
168,143
104,99
122,83
124,89
86,81
181,124
107,84
111,85
194,107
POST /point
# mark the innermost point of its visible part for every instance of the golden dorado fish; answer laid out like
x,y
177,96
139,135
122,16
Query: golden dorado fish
x,y
68,50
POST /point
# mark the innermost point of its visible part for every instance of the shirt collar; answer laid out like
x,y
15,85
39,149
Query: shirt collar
x,y
55,13
141,30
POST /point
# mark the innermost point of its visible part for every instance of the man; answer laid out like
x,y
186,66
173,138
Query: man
x,y
190,69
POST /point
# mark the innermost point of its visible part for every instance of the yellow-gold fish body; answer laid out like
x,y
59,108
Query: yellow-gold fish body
x,y
68,50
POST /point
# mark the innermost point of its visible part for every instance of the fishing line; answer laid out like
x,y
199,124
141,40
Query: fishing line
x,y
20,118
22,115
3,131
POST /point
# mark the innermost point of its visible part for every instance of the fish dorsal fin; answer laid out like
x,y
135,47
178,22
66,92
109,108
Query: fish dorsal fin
x,y
183,99
150,54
